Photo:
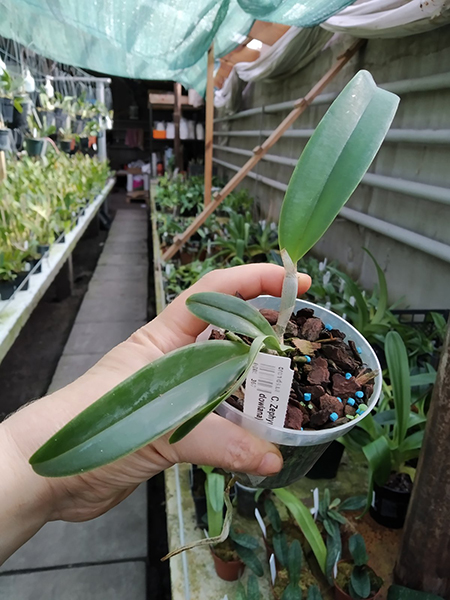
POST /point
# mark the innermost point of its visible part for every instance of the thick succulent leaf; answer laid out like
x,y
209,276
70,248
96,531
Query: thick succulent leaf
x,y
148,404
273,514
253,588
412,442
334,549
358,550
250,559
353,503
229,312
189,425
360,582
314,593
292,592
280,547
379,457
334,162
304,519
295,562
398,366
244,539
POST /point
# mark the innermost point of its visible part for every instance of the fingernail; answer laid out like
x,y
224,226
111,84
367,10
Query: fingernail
x,y
270,464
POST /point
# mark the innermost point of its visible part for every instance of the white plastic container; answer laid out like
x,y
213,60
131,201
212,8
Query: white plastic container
x,y
301,449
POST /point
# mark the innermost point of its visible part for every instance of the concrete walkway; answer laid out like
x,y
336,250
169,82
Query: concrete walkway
x,y
103,559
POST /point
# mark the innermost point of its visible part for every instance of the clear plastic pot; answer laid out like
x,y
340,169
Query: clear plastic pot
x,y
301,449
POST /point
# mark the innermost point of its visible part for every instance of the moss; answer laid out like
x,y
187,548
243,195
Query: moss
x,y
307,579
226,551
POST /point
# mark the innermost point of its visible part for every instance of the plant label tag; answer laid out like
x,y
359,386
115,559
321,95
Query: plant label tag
x,y
267,389
261,523
273,568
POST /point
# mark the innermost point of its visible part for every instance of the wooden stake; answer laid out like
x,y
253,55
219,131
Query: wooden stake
x,y
2,166
209,125
260,151
176,122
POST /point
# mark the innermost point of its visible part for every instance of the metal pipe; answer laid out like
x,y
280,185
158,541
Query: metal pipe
x,y
439,81
415,136
399,234
425,191
79,78
101,138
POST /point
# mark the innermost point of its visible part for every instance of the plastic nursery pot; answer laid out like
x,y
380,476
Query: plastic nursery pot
x,y
389,507
84,144
227,570
339,593
245,501
7,289
34,147
42,249
301,449
5,144
327,465
65,146
7,109
20,118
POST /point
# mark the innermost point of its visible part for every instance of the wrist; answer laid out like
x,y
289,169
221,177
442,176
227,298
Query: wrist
x,y
24,496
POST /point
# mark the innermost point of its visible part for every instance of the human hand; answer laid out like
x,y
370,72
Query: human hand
x,y
215,441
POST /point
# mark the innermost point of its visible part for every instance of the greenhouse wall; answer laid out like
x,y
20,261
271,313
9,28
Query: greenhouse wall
x,y
422,279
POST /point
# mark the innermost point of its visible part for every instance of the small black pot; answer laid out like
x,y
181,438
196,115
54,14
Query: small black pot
x,y
328,464
389,507
84,144
20,118
43,249
65,146
7,289
33,263
20,278
245,501
60,118
7,110
5,144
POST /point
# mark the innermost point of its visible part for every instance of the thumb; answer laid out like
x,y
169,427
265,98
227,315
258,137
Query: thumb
x,y
217,442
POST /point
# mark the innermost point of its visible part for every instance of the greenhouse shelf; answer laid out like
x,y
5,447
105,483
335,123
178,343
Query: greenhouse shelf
x,y
15,312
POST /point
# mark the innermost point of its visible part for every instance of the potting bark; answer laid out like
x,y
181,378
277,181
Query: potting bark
x,y
330,380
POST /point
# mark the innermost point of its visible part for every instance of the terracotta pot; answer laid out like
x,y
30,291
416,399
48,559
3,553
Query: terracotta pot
x,y
228,571
339,593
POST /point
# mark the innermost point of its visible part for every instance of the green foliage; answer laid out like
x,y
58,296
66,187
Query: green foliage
x,y
148,404
214,490
314,593
306,523
398,592
273,515
334,162
358,550
252,592
39,200
294,564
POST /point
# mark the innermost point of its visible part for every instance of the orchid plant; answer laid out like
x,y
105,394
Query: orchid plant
x,y
180,389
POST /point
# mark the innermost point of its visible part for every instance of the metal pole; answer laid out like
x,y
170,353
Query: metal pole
x,y
101,140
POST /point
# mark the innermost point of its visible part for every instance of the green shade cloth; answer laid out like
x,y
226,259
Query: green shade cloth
x,y
148,39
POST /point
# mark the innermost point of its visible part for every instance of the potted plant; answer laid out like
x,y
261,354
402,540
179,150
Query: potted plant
x,y
39,130
5,139
392,439
197,483
66,138
294,578
355,579
324,179
10,101
230,555
251,593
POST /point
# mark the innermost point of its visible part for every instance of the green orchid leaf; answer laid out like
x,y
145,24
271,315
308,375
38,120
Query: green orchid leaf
x,y
215,515
382,303
334,549
398,366
412,442
189,425
358,550
360,582
334,161
294,564
250,559
292,592
314,593
229,312
379,457
253,588
423,379
244,539
148,404
304,519
273,515
353,503
280,548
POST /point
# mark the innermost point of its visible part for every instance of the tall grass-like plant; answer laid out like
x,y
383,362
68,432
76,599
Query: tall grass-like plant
x,y
154,400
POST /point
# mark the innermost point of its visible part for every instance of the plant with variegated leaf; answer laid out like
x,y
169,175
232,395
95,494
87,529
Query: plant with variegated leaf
x,y
356,579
